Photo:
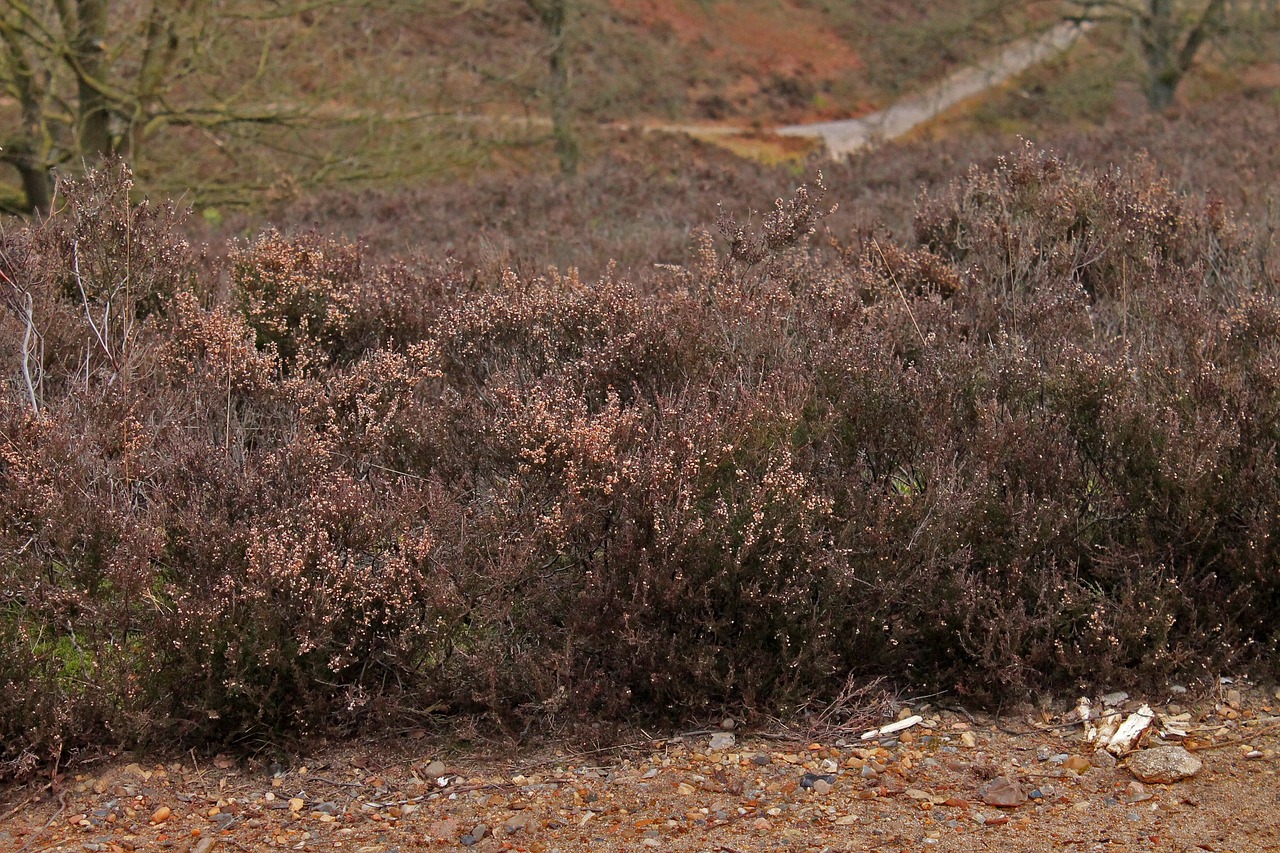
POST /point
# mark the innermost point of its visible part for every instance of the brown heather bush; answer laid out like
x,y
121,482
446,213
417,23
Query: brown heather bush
x,y
638,205
1034,448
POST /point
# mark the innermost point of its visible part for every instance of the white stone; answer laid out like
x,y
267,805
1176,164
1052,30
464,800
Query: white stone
x,y
720,741
1130,730
901,725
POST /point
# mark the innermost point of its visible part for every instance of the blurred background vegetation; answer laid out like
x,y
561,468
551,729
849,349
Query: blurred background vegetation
x,y
238,102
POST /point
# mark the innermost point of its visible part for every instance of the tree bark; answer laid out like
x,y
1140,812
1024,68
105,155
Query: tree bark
x,y
554,15
28,152
162,42
88,47
37,186
1167,61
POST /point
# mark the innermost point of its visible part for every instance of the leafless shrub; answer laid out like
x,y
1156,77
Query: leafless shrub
x,y
1034,449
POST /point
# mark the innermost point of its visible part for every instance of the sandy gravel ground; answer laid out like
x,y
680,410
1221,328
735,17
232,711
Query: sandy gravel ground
x,y
918,790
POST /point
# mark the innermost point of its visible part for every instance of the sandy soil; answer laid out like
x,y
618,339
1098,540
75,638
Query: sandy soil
x,y
916,791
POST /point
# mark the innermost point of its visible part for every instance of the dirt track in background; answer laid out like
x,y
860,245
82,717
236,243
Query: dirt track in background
x,y
843,138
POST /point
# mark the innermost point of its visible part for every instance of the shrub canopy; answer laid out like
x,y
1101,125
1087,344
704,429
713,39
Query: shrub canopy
x,y
1032,448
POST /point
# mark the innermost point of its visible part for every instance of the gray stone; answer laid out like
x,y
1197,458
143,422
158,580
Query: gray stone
x,y
475,836
1163,765
810,780
1103,759
721,741
436,769
1136,792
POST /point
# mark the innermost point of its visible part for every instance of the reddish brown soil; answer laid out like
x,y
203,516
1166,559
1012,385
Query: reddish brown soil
x,y
778,39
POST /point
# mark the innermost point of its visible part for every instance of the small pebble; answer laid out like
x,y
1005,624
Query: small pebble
x,y
811,780
1003,792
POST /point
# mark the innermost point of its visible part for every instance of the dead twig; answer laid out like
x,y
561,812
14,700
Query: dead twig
x,y
1234,741
852,710
19,807
901,294
28,334
62,807
335,783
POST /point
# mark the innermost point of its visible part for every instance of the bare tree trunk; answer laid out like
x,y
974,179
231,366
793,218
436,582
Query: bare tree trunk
x,y
88,46
37,186
27,153
161,49
554,15
1156,35
1168,61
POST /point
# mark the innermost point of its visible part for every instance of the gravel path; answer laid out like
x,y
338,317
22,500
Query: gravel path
x,y
842,138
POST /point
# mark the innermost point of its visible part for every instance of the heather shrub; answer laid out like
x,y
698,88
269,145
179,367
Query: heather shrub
x,y
299,490
124,259
598,336
298,295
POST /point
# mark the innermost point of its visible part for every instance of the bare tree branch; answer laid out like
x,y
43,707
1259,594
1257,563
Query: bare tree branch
x,y
96,78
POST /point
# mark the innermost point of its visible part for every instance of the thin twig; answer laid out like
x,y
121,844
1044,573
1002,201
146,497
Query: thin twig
x,y
62,807
26,354
1233,741
901,295
226,439
337,784
84,297
19,807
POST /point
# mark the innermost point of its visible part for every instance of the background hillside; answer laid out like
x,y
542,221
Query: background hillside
x,y
395,91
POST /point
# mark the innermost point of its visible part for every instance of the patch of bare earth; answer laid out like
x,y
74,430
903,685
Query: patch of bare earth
x,y
932,786
768,57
